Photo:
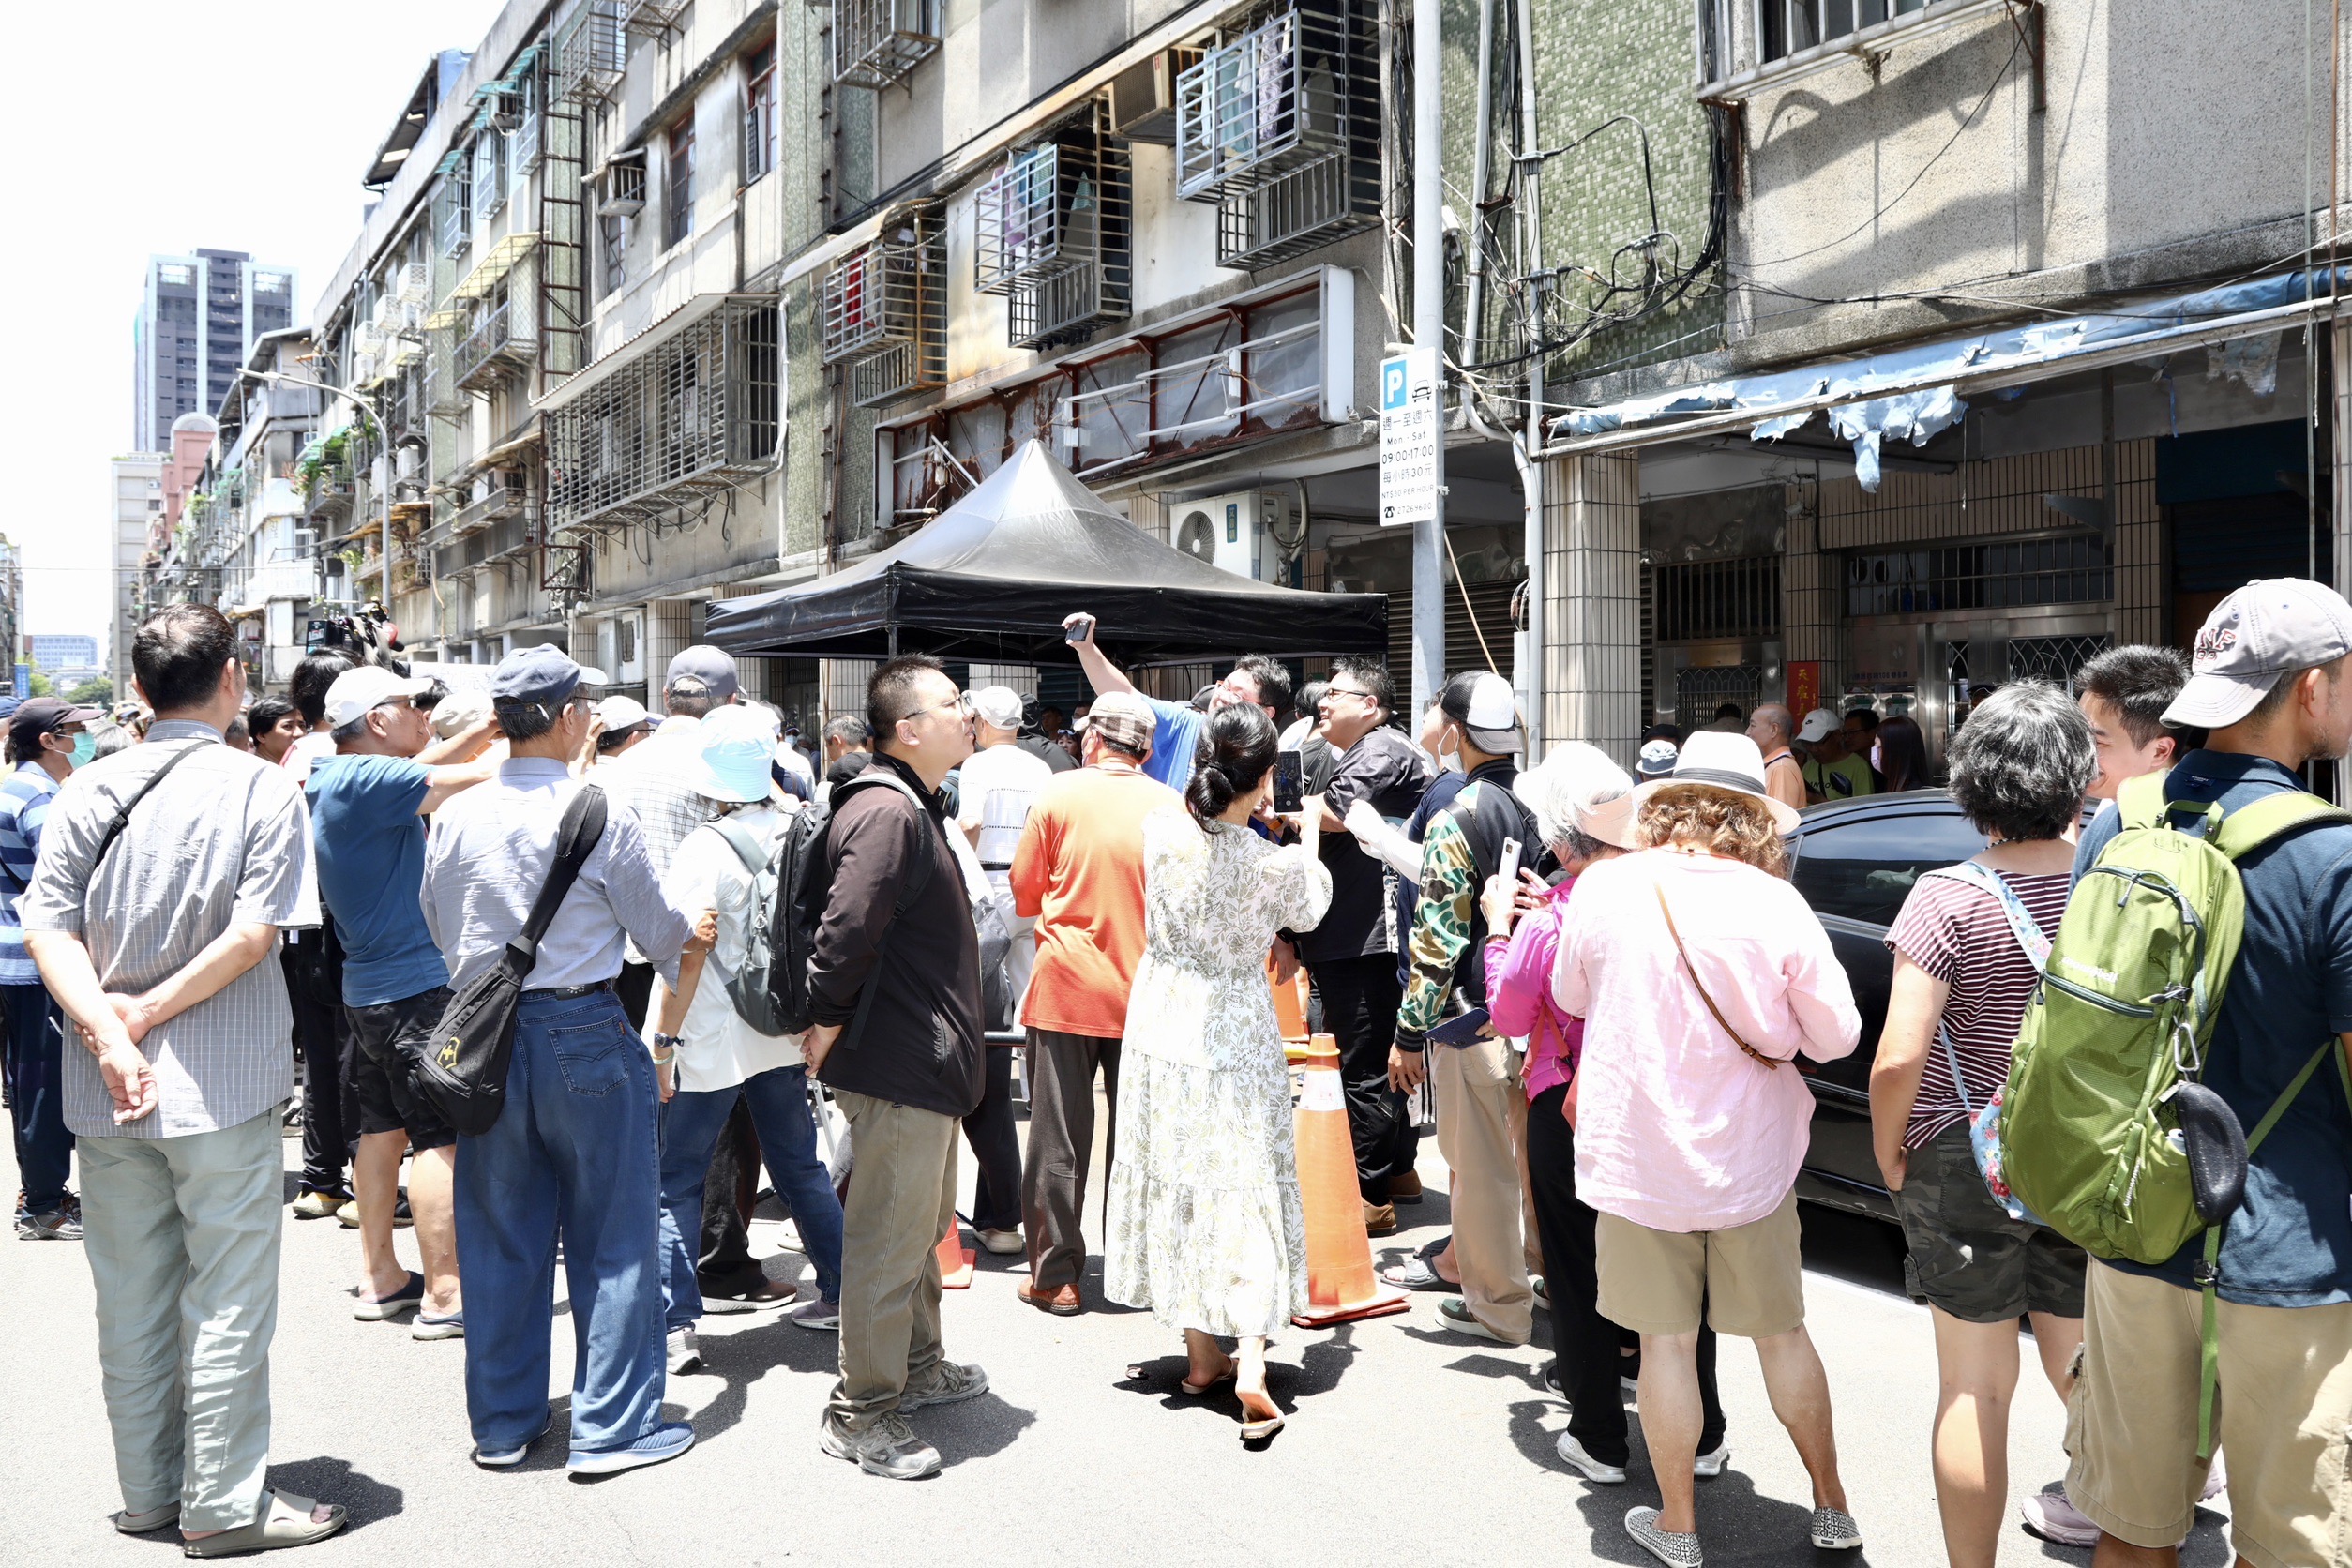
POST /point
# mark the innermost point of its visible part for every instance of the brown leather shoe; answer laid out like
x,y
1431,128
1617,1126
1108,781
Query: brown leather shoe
x,y
1063,1301
1405,1188
1379,1219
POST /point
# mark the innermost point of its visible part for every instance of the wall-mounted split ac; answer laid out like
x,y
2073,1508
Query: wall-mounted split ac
x,y
1243,533
621,647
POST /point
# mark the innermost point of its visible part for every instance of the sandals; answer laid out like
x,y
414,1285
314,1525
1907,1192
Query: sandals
x,y
285,1521
1198,1390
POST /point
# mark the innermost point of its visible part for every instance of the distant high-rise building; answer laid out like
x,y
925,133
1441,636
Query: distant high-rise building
x,y
196,323
138,505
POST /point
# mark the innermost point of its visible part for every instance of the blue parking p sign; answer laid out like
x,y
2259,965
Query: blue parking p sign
x,y
1392,383
1409,437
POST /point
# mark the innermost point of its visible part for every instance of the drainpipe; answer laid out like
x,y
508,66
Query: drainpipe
x,y
1531,471
1429,625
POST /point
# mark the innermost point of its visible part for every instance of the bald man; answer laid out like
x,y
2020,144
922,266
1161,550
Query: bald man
x,y
1784,776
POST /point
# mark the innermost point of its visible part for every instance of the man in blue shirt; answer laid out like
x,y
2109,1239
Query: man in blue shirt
x,y
42,737
1256,679
368,802
2269,679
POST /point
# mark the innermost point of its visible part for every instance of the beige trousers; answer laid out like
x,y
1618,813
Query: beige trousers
x,y
902,1197
1482,1122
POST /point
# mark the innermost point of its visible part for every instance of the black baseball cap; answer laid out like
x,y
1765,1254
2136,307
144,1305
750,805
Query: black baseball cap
x,y
44,716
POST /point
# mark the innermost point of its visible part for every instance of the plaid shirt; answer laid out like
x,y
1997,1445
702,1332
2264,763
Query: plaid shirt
x,y
224,841
23,809
650,781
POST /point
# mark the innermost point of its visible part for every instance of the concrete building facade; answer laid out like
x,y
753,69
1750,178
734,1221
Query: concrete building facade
x,y
135,482
198,318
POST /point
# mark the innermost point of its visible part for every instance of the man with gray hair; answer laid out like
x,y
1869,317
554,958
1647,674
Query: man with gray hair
x,y
1772,728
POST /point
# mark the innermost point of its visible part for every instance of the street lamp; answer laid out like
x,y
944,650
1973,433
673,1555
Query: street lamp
x,y
384,439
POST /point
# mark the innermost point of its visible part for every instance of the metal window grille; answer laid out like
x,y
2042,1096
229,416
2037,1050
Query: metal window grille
x,y
1698,692
885,310
1280,95
759,119
692,414
620,185
502,331
653,17
2055,660
456,227
592,52
1787,27
1694,600
2005,574
1055,234
875,42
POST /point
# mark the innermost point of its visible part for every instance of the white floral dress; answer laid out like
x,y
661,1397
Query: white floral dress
x,y
1206,1227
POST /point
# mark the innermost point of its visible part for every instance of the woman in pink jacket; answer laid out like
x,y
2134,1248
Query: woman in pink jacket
x,y
1584,809
1701,975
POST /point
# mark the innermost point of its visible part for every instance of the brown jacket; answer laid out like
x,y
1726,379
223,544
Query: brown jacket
x,y
921,1045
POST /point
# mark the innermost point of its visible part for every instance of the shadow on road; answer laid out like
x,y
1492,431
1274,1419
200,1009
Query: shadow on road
x,y
325,1479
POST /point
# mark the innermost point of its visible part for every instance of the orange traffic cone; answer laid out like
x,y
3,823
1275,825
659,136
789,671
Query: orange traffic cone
x,y
955,1262
1340,1284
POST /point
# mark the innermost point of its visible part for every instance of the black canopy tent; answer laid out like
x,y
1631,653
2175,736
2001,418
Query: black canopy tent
x,y
991,578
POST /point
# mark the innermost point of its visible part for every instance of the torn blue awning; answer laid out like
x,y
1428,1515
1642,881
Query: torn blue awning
x,y
1912,393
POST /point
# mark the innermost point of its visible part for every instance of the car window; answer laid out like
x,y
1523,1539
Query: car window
x,y
1864,869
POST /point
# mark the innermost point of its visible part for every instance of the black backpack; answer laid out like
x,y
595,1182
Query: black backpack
x,y
790,886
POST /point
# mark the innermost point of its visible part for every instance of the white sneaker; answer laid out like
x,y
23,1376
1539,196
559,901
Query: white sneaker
x,y
686,1352
1004,1244
1572,1454
1709,1465
1674,1550
2216,1483
2051,1518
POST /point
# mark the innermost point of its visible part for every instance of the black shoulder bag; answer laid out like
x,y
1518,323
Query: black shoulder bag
x,y
122,817
465,1078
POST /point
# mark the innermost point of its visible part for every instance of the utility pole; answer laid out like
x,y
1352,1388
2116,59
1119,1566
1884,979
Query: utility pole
x,y
1428,657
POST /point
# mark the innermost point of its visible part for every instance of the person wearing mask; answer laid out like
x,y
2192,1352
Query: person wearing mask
x,y
793,763
1206,1225
312,959
571,1160
895,990
1256,679
2123,694
1584,812
1967,948
1078,874
367,804
1700,974
1830,771
275,726
622,726
1481,1105
46,737
1000,783
158,952
1902,755
722,1061
1351,954
2271,682
1771,728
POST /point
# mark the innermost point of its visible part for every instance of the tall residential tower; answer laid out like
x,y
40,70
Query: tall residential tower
x,y
197,322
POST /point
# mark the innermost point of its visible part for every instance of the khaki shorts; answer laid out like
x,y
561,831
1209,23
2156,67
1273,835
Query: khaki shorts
x,y
2280,1415
1751,1277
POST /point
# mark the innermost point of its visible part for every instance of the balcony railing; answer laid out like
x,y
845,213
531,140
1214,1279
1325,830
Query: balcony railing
x,y
503,340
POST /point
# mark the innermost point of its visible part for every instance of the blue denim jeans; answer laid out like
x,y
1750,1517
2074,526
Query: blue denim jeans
x,y
690,1126
573,1157
36,1068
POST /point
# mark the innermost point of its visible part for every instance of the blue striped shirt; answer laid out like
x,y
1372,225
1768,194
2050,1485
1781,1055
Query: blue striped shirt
x,y
24,797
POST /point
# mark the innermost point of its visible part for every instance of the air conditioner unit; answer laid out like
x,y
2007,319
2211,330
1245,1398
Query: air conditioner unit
x,y
621,647
1240,533
620,185
1143,97
414,284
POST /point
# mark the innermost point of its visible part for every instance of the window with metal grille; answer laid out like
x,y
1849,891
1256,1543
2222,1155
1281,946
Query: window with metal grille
x,y
613,235
2055,660
1052,229
875,42
1786,27
1698,600
2066,569
677,187
759,115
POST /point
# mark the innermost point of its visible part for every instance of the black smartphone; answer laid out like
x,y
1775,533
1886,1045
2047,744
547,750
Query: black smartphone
x,y
1077,630
1289,784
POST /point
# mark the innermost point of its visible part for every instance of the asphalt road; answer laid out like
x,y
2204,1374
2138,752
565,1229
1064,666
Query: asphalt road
x,y
1406,1441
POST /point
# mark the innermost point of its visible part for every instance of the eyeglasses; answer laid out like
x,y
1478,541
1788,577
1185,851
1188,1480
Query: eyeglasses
x,y
959,704
1347,691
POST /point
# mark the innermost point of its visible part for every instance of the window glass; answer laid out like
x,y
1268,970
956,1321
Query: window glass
x,y
759,116
612,233
677,195
1864,869
1285,371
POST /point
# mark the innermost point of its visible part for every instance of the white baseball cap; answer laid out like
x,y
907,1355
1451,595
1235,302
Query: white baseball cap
x,y
2262,631
999,706
1484,704
360,690
621,713
1819,725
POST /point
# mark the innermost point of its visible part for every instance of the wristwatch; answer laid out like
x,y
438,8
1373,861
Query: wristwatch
x,y
664,1046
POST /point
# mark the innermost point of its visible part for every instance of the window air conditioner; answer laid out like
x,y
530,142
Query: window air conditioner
x,y
1143,97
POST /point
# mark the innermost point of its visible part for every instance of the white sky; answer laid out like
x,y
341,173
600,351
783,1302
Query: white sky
x,y
162,125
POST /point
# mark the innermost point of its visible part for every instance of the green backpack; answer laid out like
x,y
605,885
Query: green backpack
x,y
2093,1138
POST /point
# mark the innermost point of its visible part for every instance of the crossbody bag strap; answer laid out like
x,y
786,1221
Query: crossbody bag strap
x,y
1712,1010
2022,926
575,840
122,817
748,848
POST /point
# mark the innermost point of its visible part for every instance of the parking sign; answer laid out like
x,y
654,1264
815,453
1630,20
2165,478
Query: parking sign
x,y
1409,438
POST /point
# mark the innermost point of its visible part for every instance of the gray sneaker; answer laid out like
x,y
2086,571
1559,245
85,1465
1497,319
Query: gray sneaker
x,y
58,1224
949,1383
889,1448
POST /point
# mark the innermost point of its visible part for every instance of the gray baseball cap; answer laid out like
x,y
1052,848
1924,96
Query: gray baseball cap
x,y
2262,631
540,676
714,667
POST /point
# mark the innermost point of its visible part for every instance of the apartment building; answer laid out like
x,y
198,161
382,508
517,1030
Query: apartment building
x,y
199,316
135,483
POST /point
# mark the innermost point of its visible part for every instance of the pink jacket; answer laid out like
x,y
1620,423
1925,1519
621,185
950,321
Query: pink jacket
x,y
1519,993
1677,1127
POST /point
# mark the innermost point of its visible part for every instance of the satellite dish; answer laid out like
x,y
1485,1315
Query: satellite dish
x,y
1196,536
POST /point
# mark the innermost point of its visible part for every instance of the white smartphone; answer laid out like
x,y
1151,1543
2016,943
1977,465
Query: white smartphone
x,y
1511,862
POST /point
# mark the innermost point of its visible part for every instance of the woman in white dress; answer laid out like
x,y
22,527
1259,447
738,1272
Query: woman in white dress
x,y
1206,1227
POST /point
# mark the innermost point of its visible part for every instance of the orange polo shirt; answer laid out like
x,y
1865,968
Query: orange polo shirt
x,y
1078,873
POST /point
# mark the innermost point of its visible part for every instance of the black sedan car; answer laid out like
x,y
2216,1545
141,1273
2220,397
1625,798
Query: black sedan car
x,y
1855,862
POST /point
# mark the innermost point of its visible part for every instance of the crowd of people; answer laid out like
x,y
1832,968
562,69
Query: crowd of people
x,y
1603,981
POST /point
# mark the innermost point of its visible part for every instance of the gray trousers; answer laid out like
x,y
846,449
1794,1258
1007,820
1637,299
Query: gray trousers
x,y
181,1234
902,1199
1061,1146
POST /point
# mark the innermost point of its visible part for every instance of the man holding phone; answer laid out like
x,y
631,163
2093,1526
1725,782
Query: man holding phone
x,y
1353,954
1256,679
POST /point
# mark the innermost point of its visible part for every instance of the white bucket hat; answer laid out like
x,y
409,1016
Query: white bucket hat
x,y
1721,762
